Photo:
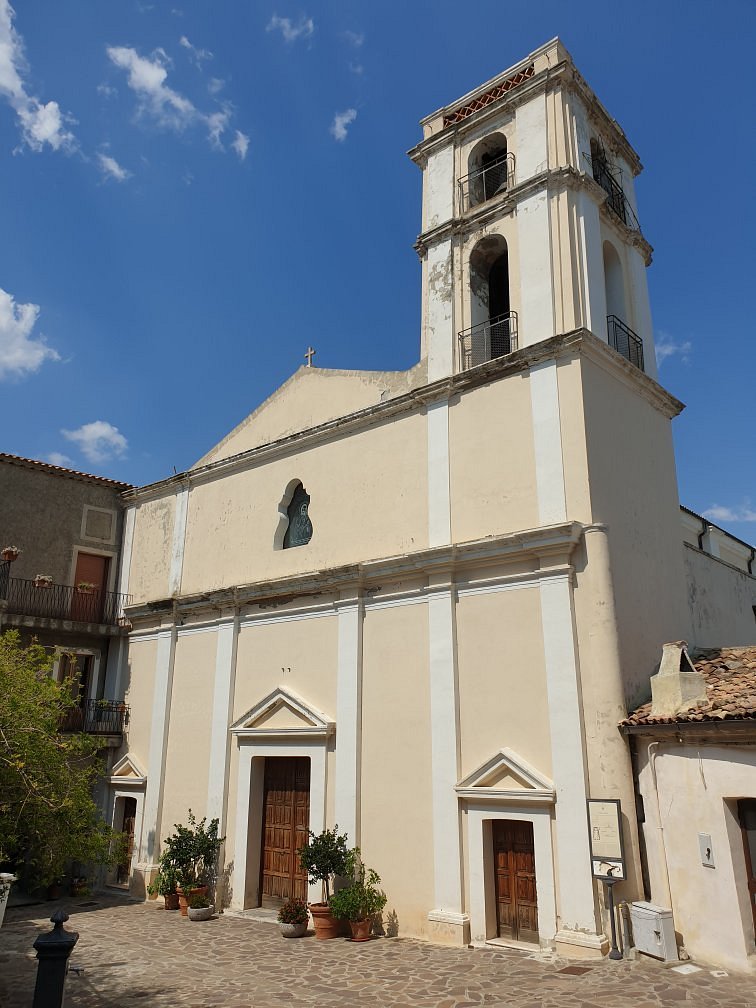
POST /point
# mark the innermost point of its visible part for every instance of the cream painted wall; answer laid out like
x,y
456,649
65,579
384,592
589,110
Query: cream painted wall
x,y
310,397
492,464
721,602
397,813
151,551
232,520
139,686
698,790
305,648
188,751
634,492
574,451
502,679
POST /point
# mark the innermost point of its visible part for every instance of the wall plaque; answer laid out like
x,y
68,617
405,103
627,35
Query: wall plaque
x,y
607,850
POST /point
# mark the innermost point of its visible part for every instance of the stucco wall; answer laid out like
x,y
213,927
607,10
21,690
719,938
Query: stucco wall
x,y
397,814
634,491
720,602
139,684
42,513
492,466
151,550
698,788
502,679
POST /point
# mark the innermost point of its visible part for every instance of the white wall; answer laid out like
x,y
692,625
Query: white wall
x,y
720,602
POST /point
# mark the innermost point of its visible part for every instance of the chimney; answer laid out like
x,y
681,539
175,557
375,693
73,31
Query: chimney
x,y
677,686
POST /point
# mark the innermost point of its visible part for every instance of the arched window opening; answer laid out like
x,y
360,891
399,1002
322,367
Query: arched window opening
x,y
619,335
299,528
490,171
494,329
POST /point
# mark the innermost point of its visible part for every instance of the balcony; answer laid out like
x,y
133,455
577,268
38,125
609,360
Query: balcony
x,y
96,717
57,601
488,340
616,199
485,183
625,341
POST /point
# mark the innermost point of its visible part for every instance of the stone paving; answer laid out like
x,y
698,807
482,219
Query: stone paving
x,y
130,954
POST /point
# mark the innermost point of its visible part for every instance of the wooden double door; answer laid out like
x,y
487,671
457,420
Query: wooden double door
x,y
515,880
286,818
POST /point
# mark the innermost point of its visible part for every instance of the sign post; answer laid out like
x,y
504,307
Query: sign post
x,y
607,853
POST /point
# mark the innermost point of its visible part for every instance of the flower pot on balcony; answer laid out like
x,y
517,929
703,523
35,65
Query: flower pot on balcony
x,y
43,581
10,553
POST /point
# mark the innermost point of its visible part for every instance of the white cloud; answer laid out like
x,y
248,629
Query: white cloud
x,y
41,123
356,68
111,169
291,31
355,39
215,84
667,347
719,513
98,441
241,144
340,123
20,353
106,90
147,80
166,107
59,459
197,56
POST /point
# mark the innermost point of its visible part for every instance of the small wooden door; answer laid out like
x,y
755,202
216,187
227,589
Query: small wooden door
x,y
747,816
90,569
514,868
286,819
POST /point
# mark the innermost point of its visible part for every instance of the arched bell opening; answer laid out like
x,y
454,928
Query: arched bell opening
x,y
494,325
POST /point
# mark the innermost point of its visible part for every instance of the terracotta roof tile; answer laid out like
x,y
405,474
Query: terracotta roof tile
x,y
60,470
730,675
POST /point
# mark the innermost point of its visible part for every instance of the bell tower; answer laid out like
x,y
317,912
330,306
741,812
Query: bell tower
x,y
529,222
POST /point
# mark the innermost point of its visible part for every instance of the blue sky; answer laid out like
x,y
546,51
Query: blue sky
x,y
192,193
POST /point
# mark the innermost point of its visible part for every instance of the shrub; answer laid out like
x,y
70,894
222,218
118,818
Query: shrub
x,y
294,911
323,857
193,850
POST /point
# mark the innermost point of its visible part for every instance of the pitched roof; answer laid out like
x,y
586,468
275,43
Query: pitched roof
x,y
730,675
55,470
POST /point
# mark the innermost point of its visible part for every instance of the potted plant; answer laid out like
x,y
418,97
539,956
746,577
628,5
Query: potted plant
x,y
323,857
86,587
10,553
293,918
79,886
200,908
165,884
361,900
193,850
43,580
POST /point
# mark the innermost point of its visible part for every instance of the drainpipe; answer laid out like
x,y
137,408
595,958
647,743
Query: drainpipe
x,y
751,559
702,533
660,827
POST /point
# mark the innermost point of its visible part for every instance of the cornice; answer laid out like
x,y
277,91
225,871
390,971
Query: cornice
x,y
438,562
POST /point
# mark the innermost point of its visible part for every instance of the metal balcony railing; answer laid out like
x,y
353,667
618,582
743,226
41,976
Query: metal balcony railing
x,y
486,182
625,341
96,717
57,601
488,340
616,199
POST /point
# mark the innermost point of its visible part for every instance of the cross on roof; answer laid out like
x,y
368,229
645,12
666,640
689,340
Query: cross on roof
x,y
309,355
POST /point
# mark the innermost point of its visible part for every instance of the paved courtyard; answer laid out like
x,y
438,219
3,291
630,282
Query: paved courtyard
x,y
141,954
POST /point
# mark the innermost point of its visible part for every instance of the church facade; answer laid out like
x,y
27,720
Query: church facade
x,y
418,604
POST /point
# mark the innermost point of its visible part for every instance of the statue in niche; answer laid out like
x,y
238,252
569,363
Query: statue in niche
x,y
299,531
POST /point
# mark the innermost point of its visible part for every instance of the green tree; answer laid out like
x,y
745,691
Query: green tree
x,y
48,817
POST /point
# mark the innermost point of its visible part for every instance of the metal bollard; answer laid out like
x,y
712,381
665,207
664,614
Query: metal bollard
x,y
53,950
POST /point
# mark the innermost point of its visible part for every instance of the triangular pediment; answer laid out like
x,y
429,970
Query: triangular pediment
x,y
282,713
128,771
507,776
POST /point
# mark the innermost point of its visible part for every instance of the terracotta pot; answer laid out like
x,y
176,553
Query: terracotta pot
x,y
9,555
55,891
184,895
325,924
361,929
292,930
171,901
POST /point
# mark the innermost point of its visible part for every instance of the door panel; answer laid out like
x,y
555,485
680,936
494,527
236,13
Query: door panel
x,y
514,869
286,818
91,569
